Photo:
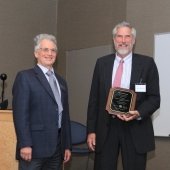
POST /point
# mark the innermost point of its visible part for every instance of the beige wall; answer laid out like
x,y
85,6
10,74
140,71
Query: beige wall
x,y
149,17
20,21
84,24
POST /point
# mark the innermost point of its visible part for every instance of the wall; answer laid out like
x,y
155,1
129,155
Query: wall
x,y
148,17
84,24
79,71
20,21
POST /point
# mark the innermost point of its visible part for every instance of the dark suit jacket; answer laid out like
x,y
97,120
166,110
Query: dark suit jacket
x,y
98,120
35,113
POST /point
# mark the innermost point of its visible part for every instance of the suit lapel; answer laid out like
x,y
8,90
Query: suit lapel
x,y
136,72
44,82
108,72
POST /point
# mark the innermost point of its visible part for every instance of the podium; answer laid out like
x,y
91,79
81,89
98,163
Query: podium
x,y
7,141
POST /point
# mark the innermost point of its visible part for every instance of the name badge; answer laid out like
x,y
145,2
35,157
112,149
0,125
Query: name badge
x,y
140,87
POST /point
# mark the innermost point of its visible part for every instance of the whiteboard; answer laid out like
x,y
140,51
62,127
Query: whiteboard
x,y
161,119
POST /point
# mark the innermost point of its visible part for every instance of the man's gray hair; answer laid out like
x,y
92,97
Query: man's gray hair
x,y
124,24
40,37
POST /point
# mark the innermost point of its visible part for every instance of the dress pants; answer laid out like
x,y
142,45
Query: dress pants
x,y
50,163
119,140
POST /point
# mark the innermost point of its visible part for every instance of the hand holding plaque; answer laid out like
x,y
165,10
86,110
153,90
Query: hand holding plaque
x,y
120,101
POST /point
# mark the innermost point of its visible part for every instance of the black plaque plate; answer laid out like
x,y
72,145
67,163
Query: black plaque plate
x,y
120,101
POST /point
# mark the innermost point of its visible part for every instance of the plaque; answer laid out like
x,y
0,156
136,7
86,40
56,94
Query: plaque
x,y
120,101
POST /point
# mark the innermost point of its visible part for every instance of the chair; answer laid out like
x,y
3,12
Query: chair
x,y
78,135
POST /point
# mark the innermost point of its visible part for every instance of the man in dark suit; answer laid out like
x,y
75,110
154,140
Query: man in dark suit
x,y
41,121
131,134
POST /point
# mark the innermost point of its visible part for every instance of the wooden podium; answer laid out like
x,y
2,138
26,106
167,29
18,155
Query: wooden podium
x,y
7,141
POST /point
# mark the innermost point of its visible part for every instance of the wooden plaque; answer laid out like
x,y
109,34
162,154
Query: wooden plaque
x,y
120,101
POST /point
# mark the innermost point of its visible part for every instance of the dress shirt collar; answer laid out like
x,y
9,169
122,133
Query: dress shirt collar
x,y
125,59
45,69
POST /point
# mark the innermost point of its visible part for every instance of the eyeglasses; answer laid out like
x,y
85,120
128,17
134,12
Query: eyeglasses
x,y
47,50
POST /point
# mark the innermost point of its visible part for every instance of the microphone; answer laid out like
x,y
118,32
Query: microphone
x,y
3,77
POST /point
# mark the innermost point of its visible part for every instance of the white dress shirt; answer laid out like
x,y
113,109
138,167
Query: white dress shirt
x,y
127,67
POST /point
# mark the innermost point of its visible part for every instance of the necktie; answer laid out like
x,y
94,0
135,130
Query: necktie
x,y
53,84
118,75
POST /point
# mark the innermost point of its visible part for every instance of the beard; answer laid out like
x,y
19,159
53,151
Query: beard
x,y
123,49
